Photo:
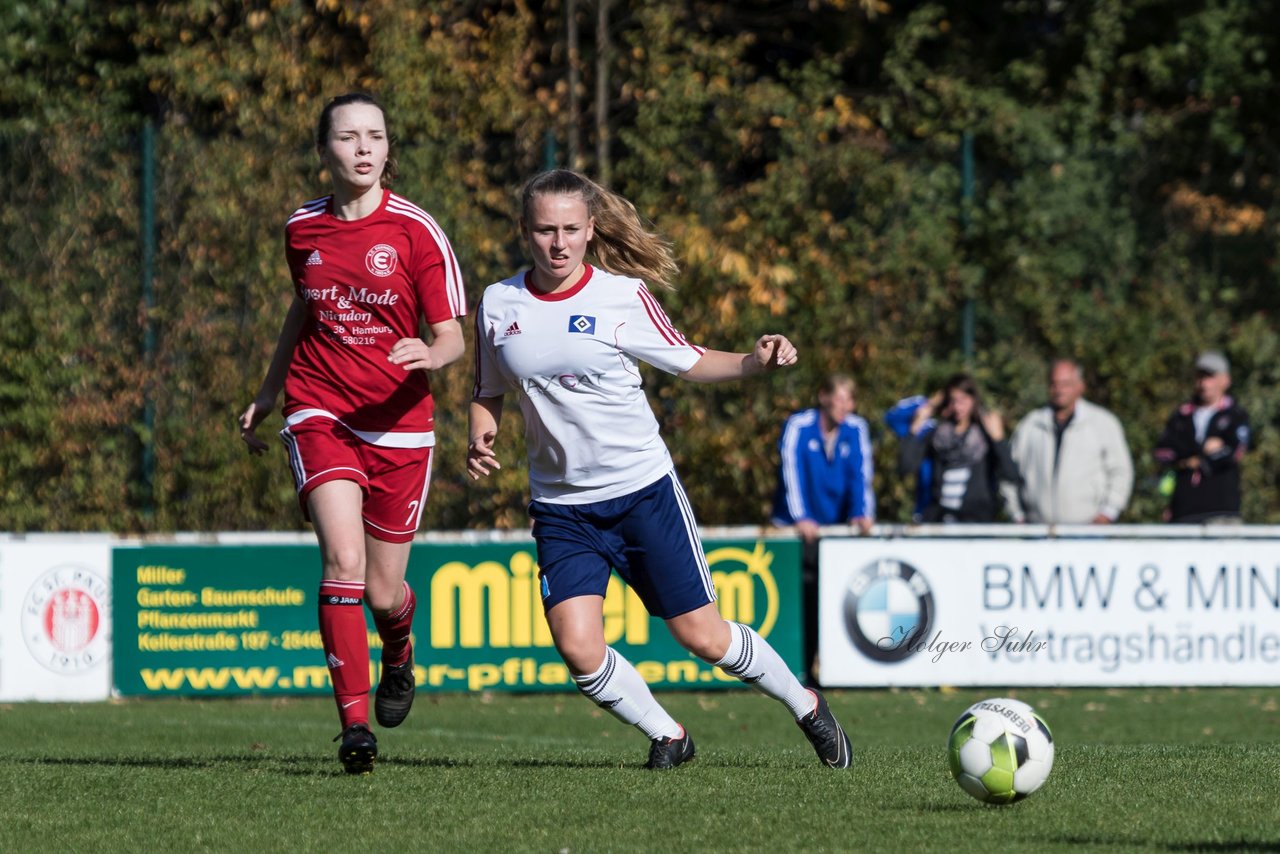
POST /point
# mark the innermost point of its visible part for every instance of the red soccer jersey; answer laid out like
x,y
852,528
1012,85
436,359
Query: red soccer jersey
x,y
366,283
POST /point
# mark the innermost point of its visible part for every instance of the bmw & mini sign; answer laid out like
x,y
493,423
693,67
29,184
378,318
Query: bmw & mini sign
x,y
934,611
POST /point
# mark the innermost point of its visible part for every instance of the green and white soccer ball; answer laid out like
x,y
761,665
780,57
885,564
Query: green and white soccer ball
x,y
1000,750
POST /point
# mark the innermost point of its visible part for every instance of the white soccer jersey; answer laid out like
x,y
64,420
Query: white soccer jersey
x,y
573,360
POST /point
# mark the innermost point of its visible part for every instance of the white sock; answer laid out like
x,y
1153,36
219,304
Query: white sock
x,y
752,660
619,689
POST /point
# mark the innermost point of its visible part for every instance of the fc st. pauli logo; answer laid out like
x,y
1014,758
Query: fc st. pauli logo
x,y
65,617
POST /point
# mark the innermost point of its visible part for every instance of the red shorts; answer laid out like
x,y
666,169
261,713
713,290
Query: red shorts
x,y
394,480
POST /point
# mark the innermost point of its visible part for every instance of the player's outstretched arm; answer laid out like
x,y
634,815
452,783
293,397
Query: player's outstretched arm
x,y
770,353
485,415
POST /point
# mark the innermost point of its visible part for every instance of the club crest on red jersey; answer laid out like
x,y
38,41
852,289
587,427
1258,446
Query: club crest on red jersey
x,y
381,260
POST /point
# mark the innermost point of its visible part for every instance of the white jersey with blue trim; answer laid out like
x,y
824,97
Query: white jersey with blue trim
x,y
573,360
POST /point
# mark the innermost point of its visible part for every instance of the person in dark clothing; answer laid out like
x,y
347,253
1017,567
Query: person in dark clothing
x,y
899,418
968,452
1201,447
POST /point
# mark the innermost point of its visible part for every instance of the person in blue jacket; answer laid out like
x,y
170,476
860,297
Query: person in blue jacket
x,y
824,479
826,470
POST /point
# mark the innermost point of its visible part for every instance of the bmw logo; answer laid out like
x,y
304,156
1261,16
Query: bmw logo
x,y
888,610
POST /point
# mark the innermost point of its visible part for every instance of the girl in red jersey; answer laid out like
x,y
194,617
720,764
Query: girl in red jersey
x,y
565,339
368,266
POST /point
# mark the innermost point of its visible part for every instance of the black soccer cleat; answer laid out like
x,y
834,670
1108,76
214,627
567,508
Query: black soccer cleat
x,y
359,749
395,694
666,753
826,735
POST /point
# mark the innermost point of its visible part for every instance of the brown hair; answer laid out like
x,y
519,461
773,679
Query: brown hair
x,y
622,242
966,384
390,171
835,381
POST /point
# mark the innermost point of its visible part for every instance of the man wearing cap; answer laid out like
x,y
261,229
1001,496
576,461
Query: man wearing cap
x,y
1201,447
1073,457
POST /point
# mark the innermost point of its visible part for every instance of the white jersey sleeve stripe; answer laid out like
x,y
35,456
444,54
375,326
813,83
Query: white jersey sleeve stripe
x,y
307,210
452,274
453,278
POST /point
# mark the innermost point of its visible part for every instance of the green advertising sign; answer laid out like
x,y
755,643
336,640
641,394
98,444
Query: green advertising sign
x,y
235,619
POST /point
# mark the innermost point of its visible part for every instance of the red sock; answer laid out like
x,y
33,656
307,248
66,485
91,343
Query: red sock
x,y
394,629
346,647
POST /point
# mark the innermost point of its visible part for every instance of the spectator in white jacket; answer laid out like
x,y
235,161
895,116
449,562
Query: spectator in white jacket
x,y
1075,462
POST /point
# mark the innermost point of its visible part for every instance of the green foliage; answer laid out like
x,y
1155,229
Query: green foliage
x,y
805,159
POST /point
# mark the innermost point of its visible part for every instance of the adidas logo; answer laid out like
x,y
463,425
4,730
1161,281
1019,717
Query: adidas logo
x,y
335,662
314,260
513,329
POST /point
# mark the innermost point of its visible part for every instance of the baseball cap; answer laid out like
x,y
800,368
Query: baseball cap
x,y
1213,362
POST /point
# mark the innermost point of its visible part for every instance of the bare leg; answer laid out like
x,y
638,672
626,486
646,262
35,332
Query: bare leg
x,y
604,676
741,652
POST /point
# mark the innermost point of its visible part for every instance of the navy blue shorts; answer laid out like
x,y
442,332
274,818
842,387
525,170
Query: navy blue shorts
x,y
650,537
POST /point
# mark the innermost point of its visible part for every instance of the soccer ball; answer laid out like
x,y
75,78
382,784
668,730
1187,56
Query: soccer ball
x,y
1000,750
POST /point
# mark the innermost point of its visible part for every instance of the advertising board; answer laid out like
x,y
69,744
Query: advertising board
x,y
1049,612
230,619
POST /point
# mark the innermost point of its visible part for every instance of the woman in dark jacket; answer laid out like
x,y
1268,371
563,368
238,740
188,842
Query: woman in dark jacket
x,y
968,449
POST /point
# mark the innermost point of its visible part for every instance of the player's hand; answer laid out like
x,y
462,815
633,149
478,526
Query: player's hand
x,y
413,354
480,458
249,421
1212,445
863,524
775,351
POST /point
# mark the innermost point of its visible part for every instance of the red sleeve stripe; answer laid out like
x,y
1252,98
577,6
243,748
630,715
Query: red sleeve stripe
x,y
660,321
452,273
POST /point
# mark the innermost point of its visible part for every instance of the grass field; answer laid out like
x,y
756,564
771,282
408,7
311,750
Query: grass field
x,y
1136,769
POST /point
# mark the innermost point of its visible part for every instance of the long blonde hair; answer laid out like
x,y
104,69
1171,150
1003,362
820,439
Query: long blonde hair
x,y
622,243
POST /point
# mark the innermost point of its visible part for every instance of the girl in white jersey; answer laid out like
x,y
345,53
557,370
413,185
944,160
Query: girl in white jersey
x,y
368,267
567,338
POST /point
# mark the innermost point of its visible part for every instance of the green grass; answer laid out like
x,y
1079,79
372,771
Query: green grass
x,y
1136,770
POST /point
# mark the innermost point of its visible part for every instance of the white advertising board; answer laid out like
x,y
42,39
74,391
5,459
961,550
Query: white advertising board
x,y
55,618
930,612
